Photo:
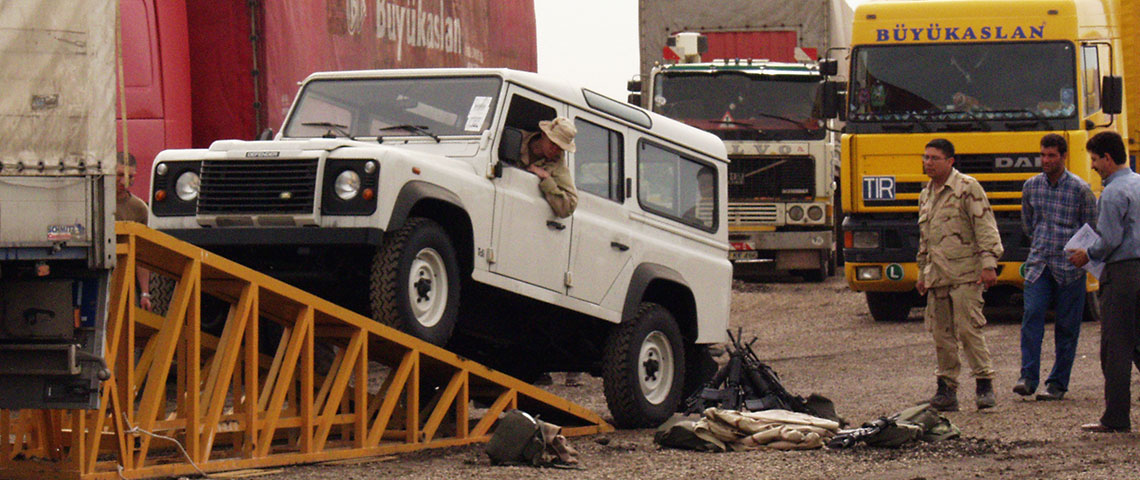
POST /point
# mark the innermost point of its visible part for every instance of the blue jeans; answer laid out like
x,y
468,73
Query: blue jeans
x,y
1068,306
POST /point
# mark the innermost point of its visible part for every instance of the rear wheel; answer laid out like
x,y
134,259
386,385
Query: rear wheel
x,y
889,306
415,281
643,369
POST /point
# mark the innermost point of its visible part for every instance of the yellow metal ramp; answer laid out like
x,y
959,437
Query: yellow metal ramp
x,y
182,402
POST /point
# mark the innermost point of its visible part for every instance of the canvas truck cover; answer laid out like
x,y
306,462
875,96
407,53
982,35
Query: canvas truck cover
x,y
56,121
818,24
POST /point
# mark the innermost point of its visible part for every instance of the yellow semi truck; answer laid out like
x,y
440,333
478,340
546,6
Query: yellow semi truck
x,y
990,76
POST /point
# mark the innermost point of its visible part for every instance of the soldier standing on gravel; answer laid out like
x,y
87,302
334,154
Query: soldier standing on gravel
x,y
957,258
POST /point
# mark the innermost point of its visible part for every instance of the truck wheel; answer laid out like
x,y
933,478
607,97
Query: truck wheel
x,y
1092,307
415,281
643,368
889,306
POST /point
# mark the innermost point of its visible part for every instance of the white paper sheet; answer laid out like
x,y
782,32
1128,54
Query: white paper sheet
x,y
1083,239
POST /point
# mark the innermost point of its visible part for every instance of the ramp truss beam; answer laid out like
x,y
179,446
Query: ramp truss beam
x,y
241,398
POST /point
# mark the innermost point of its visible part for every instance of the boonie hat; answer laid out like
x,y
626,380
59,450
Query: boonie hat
x,y
560,131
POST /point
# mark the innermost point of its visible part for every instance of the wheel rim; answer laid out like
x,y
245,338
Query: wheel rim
x,y
427,287
655,367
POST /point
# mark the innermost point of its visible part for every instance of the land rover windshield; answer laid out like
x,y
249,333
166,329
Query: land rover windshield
x,y
963,87
380,107
743,106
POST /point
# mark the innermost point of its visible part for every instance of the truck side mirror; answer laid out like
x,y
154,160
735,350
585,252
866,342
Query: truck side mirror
x,y
841,102
1111,94
831,102
633,85
829,67
634,99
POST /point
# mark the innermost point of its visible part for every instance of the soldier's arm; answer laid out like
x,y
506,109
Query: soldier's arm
x,y
921,258
984,225
560,192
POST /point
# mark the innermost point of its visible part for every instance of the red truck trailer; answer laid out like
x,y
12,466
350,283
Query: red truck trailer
x,y
195,72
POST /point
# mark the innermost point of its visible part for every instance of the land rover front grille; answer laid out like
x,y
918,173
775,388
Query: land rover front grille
x,y
258,187
771,178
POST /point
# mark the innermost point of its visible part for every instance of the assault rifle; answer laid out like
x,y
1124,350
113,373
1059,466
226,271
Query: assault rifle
x,y
746,383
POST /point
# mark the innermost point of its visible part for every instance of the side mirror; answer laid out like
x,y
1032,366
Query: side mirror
x,y
634,99
831,102
510,149
633,85
829,67
1112,94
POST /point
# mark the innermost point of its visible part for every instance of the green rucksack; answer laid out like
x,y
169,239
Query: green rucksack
x,y
517,440
915,423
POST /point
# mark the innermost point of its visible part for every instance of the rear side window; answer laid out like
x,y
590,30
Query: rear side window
x,y
598,161
675,186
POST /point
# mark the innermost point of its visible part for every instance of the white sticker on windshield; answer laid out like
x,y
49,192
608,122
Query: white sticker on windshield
x,y
477,114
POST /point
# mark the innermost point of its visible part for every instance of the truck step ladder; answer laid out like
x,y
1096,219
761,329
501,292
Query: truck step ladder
x,y
181,401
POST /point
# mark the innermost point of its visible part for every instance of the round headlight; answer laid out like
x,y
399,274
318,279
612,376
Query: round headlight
x,y
187,186
815,213
796,213
347,185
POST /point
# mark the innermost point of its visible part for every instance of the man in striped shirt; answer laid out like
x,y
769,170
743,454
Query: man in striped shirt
x,y
1054,205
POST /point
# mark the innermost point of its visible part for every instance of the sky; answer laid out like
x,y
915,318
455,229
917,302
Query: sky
x,y
591,43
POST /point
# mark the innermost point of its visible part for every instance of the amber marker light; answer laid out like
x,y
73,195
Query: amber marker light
x,y
368,194
159,195
416,170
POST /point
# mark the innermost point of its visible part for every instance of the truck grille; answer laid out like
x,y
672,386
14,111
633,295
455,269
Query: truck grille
x,y
771,177
258,187
748,212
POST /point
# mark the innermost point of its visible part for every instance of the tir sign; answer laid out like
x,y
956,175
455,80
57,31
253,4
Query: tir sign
x,y
878,188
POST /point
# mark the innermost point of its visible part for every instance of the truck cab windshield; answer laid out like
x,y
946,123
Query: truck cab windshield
x,y
386,107
964,87
739,106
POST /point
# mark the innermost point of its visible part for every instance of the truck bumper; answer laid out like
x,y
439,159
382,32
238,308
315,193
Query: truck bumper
x,y
780,250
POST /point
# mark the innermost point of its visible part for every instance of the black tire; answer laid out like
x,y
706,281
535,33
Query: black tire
x,y
1092,307
418,259
699,369
643,368
161,291
889,306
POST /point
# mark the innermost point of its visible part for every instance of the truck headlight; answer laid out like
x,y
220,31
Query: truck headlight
x,y
868,273
796,213
864,239
347,185
187,186
815,213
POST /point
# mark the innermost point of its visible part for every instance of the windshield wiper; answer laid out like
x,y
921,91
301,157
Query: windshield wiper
x,y
786,119
738,124
341,129
1037,119
416,129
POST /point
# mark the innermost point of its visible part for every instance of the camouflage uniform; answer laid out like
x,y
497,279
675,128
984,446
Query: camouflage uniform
x,y
958,238
559,188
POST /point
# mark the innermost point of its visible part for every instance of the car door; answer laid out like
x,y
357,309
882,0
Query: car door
x,y
530,243
600,244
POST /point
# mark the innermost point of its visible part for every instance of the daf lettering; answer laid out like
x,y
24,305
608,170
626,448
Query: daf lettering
x,y
1017,162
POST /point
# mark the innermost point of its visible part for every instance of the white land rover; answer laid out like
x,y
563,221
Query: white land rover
x,y
396,193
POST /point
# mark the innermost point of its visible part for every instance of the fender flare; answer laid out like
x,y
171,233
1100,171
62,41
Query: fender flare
x,y
414,191
643,275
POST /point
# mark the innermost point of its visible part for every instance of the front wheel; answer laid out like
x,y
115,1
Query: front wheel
x,y
415,281
643,369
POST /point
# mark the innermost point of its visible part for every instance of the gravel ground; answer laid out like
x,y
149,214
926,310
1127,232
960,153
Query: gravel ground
x,y
820,338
